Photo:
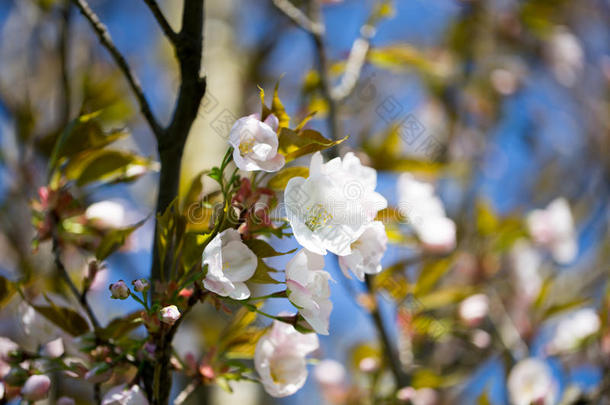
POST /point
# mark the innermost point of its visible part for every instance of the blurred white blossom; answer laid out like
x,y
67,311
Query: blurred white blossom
x,y
531,382
553,228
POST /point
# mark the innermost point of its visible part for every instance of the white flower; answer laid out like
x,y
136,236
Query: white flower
x,y
473,309
255,144
526,263
332,207
307,288
280,359
422,396
329,373
120,395
36,388
566,56
169,314
367,252
53,349
230,263
426,214
531,382
119,290
573,328
106,214
553,228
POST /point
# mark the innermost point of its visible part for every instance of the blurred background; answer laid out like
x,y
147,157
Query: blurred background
x,y
502,103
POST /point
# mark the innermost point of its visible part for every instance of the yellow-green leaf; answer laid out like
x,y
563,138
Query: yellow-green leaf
x,y
280,180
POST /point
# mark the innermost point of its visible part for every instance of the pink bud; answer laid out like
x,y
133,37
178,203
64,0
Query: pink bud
x,y
140,285
368,365
119,290
169,314
36,388
65,401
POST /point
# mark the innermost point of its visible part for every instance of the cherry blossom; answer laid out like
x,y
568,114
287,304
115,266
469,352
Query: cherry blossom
x,y
255,144
426,214
307,285
169,314
553,228
230,263
119,290
531,382
572,328
36,387
332,207
367,252
473,309
280,360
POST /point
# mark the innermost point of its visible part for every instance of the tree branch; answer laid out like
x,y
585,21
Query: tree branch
x,y
400,377
165,27
299,17
104,37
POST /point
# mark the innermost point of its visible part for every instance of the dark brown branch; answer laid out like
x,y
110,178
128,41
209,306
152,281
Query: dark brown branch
x,y
64,60
402,380
104,37
165,27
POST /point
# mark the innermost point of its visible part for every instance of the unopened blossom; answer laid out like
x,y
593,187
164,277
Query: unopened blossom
x,y
7,346
65,401
141,285
566,56
36,388
280,360
531,382
230,263
53,349
121,395
119,290
553,228
329,372
169,314
106,214
332,207
473,309
367,252
525,263
573,328
368,365
331,376
426,214
307,288
422,396
255,144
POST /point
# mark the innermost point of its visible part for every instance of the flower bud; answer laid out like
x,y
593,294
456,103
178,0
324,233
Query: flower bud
x,y
119,290
65,401
36,388
53,349
368,365
169,314
141,285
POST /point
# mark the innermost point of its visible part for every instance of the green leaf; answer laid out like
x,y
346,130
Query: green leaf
x,y
114,239
487,219
293,145
279,181
7,289
81,134
430,274
262,249
120,327
107,166
564,306
65,318
262,275
193,193
443,297
277,108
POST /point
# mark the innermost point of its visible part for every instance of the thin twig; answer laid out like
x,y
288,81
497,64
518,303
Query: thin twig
x,y
165,27
104,37
81,298
399,376
298,16
186,392
64,60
